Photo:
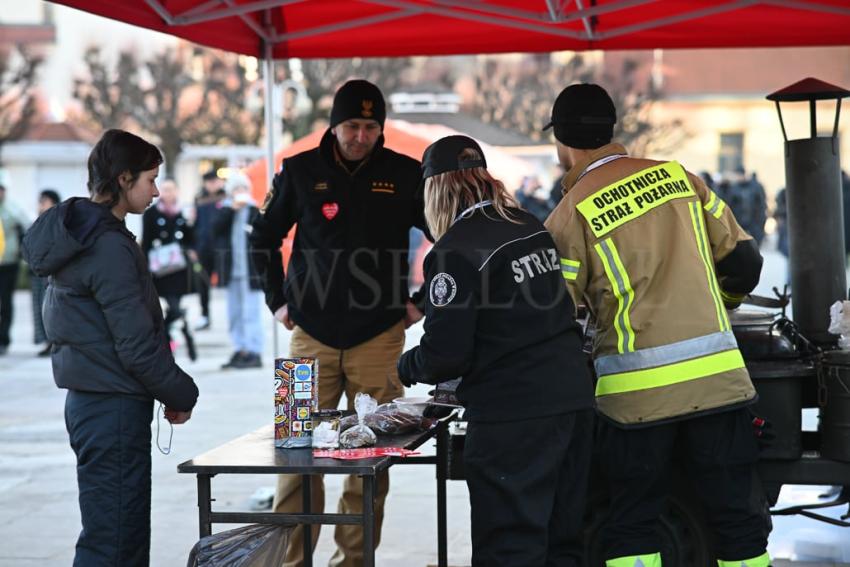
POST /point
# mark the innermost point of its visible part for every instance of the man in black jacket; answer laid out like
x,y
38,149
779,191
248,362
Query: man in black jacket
x,y
345,292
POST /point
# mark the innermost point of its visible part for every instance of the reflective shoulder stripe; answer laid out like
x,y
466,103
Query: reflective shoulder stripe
x,y
634,196
708,263
670,374
570,268
653,560
762,560
715,205
665,354
622,288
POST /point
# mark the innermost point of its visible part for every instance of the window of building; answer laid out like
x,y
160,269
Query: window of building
x,y
731,155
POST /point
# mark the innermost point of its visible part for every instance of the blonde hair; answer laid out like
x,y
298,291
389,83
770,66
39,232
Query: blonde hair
x,y
447,194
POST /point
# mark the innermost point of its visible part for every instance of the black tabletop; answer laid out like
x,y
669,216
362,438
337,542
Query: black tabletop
x,y
255,453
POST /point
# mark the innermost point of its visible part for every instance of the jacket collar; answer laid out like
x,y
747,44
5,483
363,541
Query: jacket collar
x,y
328,151
575,172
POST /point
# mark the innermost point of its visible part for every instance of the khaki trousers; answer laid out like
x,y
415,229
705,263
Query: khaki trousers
x,y
369,367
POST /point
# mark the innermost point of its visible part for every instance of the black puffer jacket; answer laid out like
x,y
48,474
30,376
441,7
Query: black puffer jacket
x,y
101,311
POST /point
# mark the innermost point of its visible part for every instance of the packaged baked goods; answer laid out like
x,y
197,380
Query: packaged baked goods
x,y
360,435
390,419
296,396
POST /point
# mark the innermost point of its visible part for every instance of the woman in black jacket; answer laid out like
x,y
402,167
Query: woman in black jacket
x,y
163,225
498,315
110,350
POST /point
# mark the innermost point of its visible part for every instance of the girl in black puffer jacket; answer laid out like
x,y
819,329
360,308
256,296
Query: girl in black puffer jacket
x,y
110,351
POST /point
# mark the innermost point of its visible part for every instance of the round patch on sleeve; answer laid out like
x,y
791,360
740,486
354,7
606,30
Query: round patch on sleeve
x,y
443,289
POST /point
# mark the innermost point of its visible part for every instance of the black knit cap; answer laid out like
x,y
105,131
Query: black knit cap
x,y
444,155
583,117
358,99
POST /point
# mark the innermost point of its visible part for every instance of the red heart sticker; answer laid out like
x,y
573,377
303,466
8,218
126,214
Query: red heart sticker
x,y
330,210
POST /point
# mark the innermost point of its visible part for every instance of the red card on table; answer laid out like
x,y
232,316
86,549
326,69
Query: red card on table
x,y
363,453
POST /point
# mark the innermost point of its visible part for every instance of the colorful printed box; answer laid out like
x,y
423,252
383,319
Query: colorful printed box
x,y
296,396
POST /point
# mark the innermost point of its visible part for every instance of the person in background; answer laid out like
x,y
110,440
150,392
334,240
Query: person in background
x,y
110,348
206,208
47,198
746,198
13,224
499,316
238,273
526,196
165,224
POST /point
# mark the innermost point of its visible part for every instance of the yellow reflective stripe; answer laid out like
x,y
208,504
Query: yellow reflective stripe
x,y
569,268
762,560
732,297
670,374
653,560
629,297
702,246
634,196
622,289
715,205
2,241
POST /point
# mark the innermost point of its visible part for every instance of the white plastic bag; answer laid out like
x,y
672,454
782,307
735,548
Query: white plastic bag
x,y
839,323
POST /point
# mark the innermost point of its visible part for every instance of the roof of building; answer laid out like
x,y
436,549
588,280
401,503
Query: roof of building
x,y
58,132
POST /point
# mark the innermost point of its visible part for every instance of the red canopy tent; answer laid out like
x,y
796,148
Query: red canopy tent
x,y
363,28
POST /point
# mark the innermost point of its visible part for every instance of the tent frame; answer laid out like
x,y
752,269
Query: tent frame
x,y
546,23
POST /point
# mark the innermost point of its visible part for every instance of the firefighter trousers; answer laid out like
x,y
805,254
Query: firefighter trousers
x,y
718,453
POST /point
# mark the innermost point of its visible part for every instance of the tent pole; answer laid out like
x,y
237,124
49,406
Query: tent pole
x,y
268,62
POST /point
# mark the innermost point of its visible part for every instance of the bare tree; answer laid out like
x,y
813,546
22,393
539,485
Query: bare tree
x,y
166,98
108,96
518,96
322,77
17,93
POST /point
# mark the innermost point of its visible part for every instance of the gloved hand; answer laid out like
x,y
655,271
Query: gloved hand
x,y
763,430
407,381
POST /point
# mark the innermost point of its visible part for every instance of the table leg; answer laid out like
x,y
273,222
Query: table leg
x,y
306,507
369,521
204,505
442,474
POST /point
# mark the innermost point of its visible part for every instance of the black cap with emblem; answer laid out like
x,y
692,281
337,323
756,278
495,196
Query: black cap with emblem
x,y
583,116
358,99
444,155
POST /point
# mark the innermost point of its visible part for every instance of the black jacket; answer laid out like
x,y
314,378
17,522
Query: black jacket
x,y
101,311
157,226
499,315
222,227
347,276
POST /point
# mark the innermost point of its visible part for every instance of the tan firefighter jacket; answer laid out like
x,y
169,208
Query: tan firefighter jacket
x,y
639,241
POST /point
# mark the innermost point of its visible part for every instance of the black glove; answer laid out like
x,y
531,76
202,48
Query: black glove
x,y
763,430
408,382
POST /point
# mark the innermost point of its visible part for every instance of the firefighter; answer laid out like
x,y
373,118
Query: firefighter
x,y
497,314
658,258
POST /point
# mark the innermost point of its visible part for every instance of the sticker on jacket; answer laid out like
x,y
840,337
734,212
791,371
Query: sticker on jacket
x,y
634,196
443,289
